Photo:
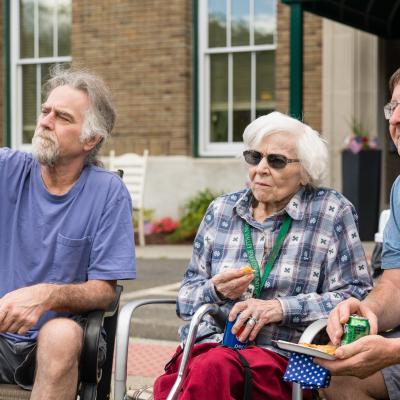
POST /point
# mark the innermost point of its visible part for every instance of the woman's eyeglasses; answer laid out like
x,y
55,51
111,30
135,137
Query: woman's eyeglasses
x,y
275,161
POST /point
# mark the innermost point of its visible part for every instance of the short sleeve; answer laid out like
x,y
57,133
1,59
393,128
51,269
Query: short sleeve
x,y
391,234
113,253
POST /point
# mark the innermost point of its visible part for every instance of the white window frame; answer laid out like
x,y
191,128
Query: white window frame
x,y
206,148
16,70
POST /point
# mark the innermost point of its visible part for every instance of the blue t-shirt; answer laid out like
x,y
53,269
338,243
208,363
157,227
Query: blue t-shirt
x,y
391,234
82,235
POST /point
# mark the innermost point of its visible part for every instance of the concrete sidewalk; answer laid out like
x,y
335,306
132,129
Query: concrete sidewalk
x,y
178,252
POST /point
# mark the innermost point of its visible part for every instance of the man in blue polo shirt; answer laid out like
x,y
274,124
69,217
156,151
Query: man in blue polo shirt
x,y
65,237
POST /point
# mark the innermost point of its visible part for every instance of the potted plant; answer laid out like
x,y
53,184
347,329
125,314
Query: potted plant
x,y
361,172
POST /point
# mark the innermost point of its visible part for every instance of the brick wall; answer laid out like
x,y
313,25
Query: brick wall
x,y
312,66
143,51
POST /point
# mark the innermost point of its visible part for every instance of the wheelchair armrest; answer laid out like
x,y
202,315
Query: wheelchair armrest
x,y
312,330
89,370
308,336
220,318
122,342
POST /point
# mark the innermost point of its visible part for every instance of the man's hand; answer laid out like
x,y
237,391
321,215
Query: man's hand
x,y
254,314
363,357
21,309
231,283
341,313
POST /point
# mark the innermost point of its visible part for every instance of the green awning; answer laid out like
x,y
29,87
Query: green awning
x,y
379,17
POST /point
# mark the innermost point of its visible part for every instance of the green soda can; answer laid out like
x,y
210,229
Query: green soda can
x,y
355,328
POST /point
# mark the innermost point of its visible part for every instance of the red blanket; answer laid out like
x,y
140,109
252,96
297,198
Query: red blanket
x,y
216,373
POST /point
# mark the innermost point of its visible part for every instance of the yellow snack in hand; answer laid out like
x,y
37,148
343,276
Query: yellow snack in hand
x,y
247,269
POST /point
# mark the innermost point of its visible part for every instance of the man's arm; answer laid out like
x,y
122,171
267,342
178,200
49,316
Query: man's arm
x,y
384,300
21,309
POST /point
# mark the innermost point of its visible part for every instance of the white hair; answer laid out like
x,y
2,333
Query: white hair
x,y
311,148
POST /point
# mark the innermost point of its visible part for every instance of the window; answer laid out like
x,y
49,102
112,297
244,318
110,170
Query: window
x,y
40,38
237,42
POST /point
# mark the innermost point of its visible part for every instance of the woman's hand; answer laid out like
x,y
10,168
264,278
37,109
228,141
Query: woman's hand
x,y
231,283
254,314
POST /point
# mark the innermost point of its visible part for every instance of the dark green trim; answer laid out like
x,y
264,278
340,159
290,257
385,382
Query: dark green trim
x,y
296,60
195,79
7,74
369,16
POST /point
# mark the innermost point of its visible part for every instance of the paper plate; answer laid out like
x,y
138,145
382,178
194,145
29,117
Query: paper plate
x,y
298,348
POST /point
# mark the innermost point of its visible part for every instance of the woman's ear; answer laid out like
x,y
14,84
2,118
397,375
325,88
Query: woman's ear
x,y
304,178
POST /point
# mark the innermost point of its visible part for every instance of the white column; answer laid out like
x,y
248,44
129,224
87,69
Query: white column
x,y
349,88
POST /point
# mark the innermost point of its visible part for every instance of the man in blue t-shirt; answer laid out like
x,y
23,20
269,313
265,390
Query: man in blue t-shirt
x,y
374,361
65,237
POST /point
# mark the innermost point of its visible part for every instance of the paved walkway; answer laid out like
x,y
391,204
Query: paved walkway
x,y
146,358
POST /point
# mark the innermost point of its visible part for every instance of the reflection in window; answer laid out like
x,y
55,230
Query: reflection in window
x,y
28,102
265,78
219,98
216,23
240,23
241,94
264,22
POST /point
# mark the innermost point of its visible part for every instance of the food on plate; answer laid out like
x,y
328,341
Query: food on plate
x,y
326,348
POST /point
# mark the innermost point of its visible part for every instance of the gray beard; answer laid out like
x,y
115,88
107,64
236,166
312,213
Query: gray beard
x,y
45,149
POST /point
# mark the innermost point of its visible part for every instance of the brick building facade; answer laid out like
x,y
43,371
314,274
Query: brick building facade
x,y
144,52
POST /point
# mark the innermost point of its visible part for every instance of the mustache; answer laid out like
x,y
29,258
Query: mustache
x,y
45,134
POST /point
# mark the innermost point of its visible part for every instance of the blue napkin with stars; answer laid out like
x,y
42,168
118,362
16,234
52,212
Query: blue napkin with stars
x,y
302,370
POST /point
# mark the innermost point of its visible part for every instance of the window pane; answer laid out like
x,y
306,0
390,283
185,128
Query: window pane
x,y
28,102
46,24
219,98
265,82
26,29
264,21
64,27
45,75
216,23
241,94
240,23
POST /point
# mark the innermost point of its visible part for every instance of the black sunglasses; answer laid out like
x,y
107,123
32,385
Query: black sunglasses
x,y
275,161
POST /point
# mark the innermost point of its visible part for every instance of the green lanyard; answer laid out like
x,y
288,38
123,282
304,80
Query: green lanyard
x,y
258,284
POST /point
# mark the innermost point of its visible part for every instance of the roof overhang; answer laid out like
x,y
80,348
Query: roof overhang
x,y
379,17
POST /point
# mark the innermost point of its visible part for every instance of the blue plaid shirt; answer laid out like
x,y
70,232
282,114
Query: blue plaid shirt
x,y
321,262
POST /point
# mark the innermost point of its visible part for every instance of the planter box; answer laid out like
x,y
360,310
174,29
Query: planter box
x,y
361,175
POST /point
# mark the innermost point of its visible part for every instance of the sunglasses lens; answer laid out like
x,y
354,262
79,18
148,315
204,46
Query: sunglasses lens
x,y
252,157
276,161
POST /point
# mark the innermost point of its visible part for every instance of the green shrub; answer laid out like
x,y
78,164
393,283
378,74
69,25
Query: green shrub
x,y
192,213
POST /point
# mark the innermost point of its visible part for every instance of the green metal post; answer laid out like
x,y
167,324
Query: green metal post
x,y
296,60
7,75
195,83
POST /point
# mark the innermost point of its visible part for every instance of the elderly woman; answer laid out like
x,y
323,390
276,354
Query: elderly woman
x,y
301,240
